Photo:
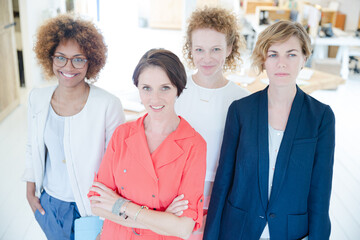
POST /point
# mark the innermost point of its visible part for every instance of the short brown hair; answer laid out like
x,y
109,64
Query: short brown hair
x,y
66,27
220,20
168,62
279,32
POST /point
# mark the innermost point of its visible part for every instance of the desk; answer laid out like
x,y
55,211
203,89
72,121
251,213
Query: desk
x,y
318,81
344,43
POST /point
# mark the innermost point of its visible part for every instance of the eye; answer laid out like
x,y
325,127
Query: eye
x,y
60,58
165,88
292,55
146,88
217,49
272,55
198,50
79,60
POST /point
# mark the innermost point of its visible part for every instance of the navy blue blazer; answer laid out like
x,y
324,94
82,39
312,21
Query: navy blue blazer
x,y
299,202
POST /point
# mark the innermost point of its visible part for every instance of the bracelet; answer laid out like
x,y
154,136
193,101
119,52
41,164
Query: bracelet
x,y
125,206
137,213
117,206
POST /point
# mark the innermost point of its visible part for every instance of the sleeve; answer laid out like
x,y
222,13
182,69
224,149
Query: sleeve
x,y
114,117
192,182
224,174
105,173
321,180
28,174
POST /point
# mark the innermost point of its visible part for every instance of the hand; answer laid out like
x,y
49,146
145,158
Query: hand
x,y
34,203
107,197
178,206
33,200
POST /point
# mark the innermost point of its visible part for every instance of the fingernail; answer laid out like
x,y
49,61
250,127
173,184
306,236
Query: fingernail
x,y
42,213
186,201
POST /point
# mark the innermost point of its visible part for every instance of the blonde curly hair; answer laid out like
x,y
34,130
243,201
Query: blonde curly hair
x,y
66,27
222,21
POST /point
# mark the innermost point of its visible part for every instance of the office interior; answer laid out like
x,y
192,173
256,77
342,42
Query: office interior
x,y
332,75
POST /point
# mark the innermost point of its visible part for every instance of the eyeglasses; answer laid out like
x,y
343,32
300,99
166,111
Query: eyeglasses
x,y
61,61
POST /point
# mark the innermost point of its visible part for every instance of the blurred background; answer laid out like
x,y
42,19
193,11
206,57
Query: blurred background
x,y
133,27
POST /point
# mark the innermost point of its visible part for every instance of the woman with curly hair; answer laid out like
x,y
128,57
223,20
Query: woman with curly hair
x,y
69,125
212,47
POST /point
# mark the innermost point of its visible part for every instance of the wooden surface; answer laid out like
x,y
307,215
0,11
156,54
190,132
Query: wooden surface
x,y
250,5
9,83
319,80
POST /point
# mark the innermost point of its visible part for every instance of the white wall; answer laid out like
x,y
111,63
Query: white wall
x,y
32,15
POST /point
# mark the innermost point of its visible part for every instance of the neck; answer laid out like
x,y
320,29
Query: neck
x,y
80,92
281,96
161,126
215,81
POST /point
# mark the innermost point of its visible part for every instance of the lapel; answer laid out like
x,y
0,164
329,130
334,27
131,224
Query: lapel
x,y
286,145
167,152
41,110
137,145
263,141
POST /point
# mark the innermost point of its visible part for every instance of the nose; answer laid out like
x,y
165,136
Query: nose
x,y
281,63
206,56
155,96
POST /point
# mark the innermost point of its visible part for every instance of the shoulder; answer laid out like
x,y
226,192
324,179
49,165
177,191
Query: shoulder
x,y
103,98
248,101
40,97
100,93
41,93
236,91
128,129
317,108
188,132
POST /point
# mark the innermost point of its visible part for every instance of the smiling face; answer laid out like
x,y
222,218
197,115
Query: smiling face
x,y
67,75
284,62
157,92
209,51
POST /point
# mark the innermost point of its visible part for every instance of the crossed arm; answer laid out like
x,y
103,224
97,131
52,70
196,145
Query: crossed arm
x,y
168,223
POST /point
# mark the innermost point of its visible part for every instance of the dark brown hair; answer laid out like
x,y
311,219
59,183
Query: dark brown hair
x,y
66,27
168,62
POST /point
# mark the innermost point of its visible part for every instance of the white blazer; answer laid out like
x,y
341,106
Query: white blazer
x,y
86,135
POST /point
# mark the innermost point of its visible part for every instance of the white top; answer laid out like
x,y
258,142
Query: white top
x,y
275,138
86,136
55,164
206,109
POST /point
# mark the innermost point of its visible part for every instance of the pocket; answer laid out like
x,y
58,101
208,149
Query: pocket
x,y
298,226
234,219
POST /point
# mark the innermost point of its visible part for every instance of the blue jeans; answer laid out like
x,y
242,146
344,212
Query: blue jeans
x,y
58,221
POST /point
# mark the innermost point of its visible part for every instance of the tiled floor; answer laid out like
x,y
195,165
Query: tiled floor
x,y
16,218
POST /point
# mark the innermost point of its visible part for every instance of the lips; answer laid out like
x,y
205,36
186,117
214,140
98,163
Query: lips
x,y
157,107
282,74
68,75
207,67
